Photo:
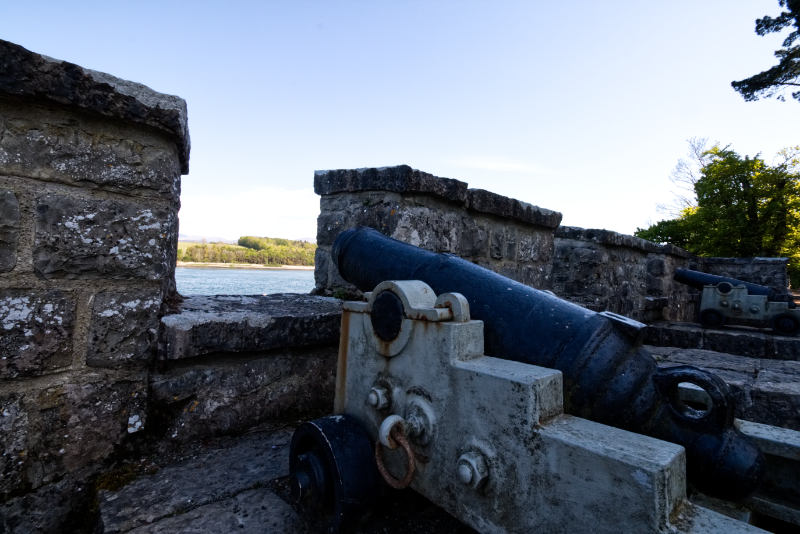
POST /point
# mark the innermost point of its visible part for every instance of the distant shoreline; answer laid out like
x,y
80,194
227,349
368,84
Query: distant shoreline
x,y
194,265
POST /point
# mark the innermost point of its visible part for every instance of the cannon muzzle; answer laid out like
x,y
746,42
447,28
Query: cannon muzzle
x,y
608,376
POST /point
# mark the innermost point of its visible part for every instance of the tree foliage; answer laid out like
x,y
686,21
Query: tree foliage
x,y
786,73
254,250
744,208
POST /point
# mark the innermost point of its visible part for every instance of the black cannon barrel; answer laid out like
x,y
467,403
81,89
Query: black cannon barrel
x,y
608,376
699,280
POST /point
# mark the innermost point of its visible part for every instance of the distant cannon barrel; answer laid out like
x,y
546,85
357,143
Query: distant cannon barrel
x,y
699,280
608,376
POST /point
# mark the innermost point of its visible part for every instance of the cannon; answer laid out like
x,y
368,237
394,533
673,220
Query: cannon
x,y
420,405
608,376
725,298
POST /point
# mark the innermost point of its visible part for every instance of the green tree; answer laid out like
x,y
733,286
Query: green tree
x,y
786,73
744,208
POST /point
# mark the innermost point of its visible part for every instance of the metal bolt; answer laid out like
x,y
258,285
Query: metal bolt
x,y
754,309
472,470
724,303
378,398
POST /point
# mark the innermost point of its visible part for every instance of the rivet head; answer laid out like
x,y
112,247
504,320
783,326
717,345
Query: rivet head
x,y
724,303
754,309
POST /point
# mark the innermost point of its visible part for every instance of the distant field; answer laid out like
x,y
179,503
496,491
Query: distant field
x,y
183,245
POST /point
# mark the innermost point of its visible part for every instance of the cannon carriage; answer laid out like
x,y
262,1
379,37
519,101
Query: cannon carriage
x,y
728,298
510,408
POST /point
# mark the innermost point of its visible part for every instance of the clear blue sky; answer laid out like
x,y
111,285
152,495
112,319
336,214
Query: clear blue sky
x,y
581,107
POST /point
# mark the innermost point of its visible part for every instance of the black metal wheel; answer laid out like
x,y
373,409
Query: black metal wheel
x,y
333,476
710,318
785,324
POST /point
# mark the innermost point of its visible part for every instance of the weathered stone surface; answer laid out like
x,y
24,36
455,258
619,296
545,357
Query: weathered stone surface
x,y
746,343
36,330
56,508
231,394
778,396
81,238
60,429
247,323
257,511
214,476
680,335
9,229
608,237
124,328
742,341
511,208
401,178
87,151
769,272
34,77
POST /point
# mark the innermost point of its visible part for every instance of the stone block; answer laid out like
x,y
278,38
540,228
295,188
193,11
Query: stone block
x,y
233,394
55,508
401,179
124,328
9,230
202,480
50,432
496,246
82,238
88,152
511,244
786,348
248,323
257,511
674,335
750,344
777,396
37,329
656,267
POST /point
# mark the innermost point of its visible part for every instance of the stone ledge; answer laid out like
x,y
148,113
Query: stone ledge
x,y
609,237
401,179
404,179
488,202
249,323
742,341
38,78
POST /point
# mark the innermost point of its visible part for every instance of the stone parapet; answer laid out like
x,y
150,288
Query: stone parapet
x,y
608,237
90,173
36,78
229,363
505,235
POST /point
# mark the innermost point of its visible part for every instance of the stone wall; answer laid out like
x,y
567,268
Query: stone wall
x,y
90,172
505,235
603,270
770,272
597,269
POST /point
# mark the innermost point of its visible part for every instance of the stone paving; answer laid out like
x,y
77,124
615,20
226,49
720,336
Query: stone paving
x,y
240,485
